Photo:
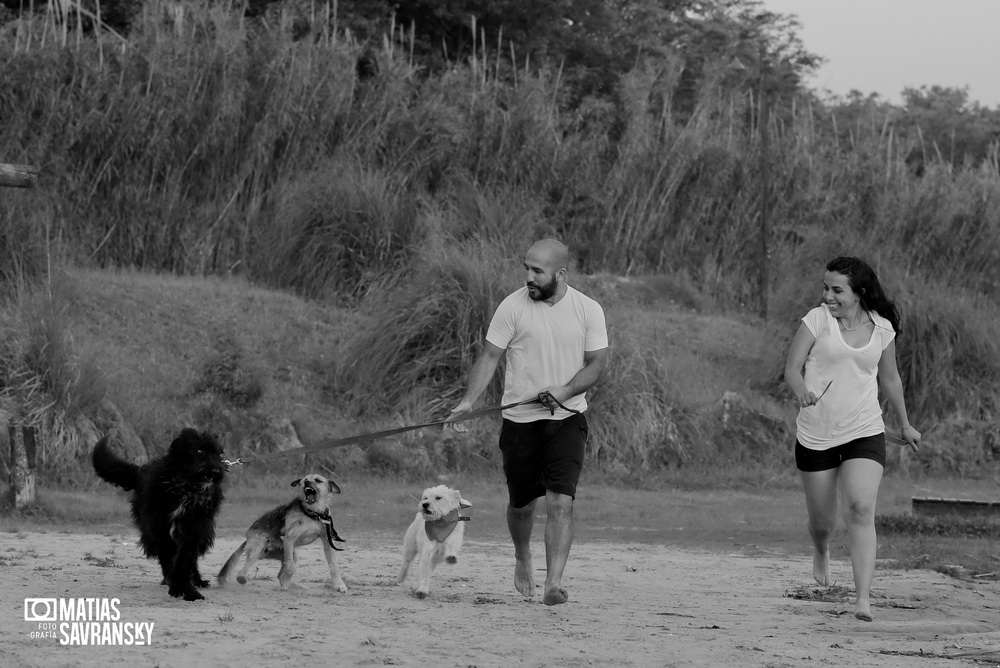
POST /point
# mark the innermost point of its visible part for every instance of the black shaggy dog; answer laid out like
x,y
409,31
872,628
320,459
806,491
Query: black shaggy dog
x,y
175,501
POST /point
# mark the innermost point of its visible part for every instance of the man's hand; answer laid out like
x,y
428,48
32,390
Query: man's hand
x,y
458,411
551,397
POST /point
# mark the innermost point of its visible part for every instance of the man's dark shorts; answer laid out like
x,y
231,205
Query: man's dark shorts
x,y
542,455
867,447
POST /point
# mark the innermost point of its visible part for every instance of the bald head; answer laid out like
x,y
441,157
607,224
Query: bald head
x,y
546,262
550,254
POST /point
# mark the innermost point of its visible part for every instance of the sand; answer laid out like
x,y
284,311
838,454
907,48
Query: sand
x,y
631,605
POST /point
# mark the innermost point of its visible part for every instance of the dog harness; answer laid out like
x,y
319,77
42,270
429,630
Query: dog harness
x,y
439,530
331,533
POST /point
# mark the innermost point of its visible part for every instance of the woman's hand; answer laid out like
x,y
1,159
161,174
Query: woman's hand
x,y
911,436
807,399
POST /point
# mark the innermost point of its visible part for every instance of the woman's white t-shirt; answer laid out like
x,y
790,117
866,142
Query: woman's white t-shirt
x,y
850,408
545,348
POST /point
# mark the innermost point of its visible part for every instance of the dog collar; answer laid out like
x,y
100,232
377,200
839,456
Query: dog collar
x,y
439,530
324,517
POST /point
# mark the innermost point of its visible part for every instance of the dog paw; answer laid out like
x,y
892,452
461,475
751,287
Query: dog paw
x,y
421,593
242,579
190,594
338,586
203,584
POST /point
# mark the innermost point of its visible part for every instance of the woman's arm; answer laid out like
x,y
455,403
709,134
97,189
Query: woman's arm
x,y
892,387
796,360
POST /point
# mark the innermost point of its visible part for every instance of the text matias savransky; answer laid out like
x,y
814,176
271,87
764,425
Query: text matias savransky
x,y
84,621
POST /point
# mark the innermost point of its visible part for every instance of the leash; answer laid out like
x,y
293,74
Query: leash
x,y
542,398
331,533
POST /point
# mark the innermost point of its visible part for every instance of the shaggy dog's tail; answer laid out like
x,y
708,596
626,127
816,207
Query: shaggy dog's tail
x,y
113,468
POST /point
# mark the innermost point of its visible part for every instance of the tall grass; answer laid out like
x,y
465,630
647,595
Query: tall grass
x,y
425,334
44,383
207,143
337,231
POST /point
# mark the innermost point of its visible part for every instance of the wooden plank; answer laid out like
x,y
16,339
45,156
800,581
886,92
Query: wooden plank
x,y
18,176
940,506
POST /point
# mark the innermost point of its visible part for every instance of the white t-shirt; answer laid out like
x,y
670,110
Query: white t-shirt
x,y
850,408
545,346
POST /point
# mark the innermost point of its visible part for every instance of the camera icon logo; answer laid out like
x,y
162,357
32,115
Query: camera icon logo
x,y
40,609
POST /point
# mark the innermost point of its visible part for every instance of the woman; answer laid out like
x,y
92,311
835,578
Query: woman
x,y
842,354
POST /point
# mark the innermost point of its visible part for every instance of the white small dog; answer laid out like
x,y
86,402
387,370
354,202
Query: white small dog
x,y
436,534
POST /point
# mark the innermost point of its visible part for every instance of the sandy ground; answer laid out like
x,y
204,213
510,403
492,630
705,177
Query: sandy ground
x,y
631,605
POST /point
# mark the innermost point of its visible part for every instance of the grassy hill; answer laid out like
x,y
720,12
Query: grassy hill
x,y
248,362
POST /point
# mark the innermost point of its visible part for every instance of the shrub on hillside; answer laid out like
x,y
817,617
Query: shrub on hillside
x,y
225,375
425,334
417,350
43,382
636,425
337,231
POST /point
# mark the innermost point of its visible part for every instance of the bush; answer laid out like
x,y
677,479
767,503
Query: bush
x,y
424,336
337,232
224,375
42,379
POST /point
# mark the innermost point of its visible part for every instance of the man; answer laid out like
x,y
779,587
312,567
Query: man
x,y
556,344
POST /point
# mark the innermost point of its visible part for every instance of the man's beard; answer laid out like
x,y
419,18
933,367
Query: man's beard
x,y
544,291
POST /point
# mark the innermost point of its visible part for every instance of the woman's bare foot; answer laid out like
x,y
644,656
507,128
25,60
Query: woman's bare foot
x,y
555,595
863,612
524,582
821,568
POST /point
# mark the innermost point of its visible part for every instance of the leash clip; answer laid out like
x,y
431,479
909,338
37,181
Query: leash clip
x,y
239,461
331,532
545,397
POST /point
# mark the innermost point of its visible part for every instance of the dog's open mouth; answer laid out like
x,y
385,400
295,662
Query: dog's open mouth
x,y
309,492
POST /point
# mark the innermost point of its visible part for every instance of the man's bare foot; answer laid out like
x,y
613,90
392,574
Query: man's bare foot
x,y
863,612
821,568
555,596
523,580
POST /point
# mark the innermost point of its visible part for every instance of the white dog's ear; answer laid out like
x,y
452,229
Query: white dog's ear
x,y
295,483
333,487
462,503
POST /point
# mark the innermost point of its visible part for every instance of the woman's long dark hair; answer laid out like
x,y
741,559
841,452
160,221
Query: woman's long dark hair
x,y
862,279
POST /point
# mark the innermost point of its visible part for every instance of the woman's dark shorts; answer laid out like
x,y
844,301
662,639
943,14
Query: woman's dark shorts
x,y
542,455
867,447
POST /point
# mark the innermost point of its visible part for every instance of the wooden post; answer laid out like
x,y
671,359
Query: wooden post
x,y
17,176
22,461
22,437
